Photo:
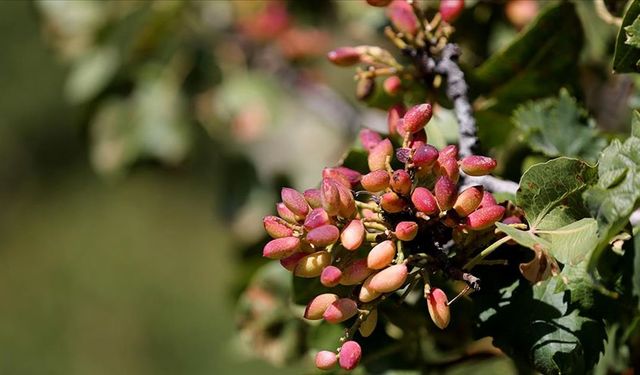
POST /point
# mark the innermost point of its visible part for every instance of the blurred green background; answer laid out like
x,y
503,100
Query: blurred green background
x,y
123,271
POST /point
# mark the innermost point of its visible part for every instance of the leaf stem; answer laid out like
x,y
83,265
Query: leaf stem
x,y
484,253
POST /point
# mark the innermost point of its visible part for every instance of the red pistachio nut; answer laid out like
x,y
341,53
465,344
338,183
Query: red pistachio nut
x,y
312,265
379,3
347,202
323,236
344,56
402,17
381,255
281,247
337,176
350,354
392,85
447,166
389,279
286,213
330,276
351,175
451,9
276,227
340,310
395,114
318,305
353,235
445,192
365,87
290,262
326,360
484,218
475,165
330,196
512,220
438,306
367,294
425,155
392,202
424,201
378,155
406,230
312,197
401,182
369,138
376,181
450,151
487,200
369,324
403,154
355,273
294,201
316,218
417,117
469,200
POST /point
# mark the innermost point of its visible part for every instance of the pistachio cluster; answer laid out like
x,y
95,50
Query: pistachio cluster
x,y
372,234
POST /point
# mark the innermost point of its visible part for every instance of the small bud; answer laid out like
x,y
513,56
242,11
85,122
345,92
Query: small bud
x,y
379,3
395,114
313,264
475,165
389,279
402,17
392,85
353,235
330,276
316,218
367,294
289,263
375,181
369,139
468,200
344,56
365,88
425,155
323,236
317,306
417,117
445,192
438,306
369,324
355,273
487,200
312,197
424,201
381,255
281,247
276,227
401,182
294,201
286,213
330,196
484,218
451,9
378,155
340,310
392,203
406,230
326,360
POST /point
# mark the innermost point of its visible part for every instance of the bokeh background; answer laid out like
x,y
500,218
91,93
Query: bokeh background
x,y
141,143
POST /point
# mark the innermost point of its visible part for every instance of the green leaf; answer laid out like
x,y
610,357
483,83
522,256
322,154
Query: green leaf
x,y
626,56
536,63
559,127
549,193
572,243
633,33
635,124
617,193
524,237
